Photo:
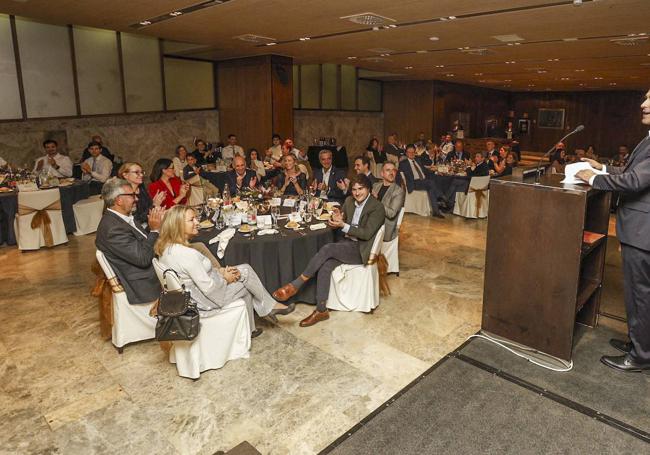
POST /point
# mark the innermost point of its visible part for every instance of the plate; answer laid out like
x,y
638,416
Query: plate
x,y
323,217
245,229
292,225
5,190
204,225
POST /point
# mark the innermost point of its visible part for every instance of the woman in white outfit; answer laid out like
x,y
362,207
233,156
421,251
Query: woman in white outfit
x,y
211,287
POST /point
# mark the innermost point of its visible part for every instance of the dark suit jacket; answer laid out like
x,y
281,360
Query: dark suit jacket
x,y
481,170
633,182
391,149
372,218
231,179
405,168
393,202
454,156
130,255
333,191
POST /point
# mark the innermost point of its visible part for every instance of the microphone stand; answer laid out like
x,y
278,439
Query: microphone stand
x,y
539,163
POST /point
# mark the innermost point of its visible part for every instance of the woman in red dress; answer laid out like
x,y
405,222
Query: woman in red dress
x,y
165,181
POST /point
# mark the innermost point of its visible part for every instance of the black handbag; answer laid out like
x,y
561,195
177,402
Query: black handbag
x,y
178,316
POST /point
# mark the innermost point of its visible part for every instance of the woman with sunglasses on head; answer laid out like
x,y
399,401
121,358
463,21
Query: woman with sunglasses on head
x,y
163,179
132,172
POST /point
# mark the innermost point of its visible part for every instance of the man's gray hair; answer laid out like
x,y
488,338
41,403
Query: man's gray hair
x,y
323,152
112,189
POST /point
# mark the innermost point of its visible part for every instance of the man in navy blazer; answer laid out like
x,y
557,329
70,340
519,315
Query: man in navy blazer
x,y
239,177
331,175
632,181
459,152
416,179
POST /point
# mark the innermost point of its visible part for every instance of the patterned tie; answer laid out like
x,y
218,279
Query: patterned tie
x,y
418,170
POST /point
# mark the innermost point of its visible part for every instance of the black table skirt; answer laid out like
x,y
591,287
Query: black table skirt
x,y
218,179
449,184
69,196
275,258
339,156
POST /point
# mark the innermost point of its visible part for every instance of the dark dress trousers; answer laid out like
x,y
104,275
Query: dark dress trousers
x,y
420,184
334,193
130,254
231,179
633,231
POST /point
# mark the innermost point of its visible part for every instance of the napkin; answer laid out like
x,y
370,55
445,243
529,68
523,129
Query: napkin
x,y
316,227
223,238
267,232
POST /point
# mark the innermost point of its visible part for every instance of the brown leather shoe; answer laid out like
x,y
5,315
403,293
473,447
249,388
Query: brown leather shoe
x,y
285,292
315,318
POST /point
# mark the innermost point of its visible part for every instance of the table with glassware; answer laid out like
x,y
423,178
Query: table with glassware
x,y
276,240
71,191
450,178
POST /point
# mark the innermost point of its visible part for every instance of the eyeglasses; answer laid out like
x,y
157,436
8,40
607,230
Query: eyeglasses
x,y
138,173
129,194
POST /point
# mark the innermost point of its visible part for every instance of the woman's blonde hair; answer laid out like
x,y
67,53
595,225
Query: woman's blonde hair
x,y
172,230
127,167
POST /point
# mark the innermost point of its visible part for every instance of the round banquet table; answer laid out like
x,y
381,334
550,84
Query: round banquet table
x,y
451,184
69,195
278,258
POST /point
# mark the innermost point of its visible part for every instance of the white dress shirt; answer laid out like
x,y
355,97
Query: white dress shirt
x,y
230,151
63,162
415,167
358,208
179,166
276,152
326,176
100,169
128,220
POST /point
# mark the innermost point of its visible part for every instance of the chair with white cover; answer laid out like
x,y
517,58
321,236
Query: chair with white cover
x,y
355,287
390,250
131,323
39,220
474,203
417,201
197,192
224,336
88,214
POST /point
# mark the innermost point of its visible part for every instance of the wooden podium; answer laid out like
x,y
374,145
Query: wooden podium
x,y
540,276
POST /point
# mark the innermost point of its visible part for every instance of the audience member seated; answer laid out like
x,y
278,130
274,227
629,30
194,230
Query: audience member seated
x,y
53,162
276,147
430,156
479,167
105,152
392,197
580,154
254,163
96,169
327,177
180,161
302,159
447,146
132,173
490,149
391,149
231,149
591,153
360,219
620,160
201,152
558,161
377,152
497,164
361,166
459,152
239,177
291,181
211,288
127,247
416,180
163,179
511,163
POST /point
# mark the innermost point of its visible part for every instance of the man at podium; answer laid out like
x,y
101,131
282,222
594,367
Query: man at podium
x,y
632,181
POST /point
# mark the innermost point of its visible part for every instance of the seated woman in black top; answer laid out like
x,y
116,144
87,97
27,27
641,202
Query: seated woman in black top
x,y
377,153
291,181
510,162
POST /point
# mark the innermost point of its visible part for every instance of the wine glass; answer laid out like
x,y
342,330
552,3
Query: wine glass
x,y
275,212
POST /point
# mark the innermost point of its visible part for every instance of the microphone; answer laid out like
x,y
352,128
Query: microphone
x,y
539,164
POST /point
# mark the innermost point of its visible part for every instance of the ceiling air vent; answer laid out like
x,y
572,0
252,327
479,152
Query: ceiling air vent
x,y
477,51
368,19
629,41
376,59
250,38
508,38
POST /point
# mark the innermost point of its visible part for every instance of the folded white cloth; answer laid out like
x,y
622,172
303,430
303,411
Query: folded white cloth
x,y
316,227
267,232
223,238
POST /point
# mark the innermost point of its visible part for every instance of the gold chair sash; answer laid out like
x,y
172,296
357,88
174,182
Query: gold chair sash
x,y
41,219
103,290
382,269
480,196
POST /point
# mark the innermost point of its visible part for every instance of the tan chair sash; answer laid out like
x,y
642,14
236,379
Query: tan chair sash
x,y
480,196
103,290
382,269
41,219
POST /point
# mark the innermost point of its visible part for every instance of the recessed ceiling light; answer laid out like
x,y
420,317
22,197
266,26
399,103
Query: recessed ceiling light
x,y
175,13
598,78
569,39
482,80
452,18
393,26
450,75
541,71
305,38
612,83
531,85
375,28
271,44
384,55
351,58
440,66
443,19
434,38
564,78
580,71
421,52
408,67
145,23
510,62
478,74
553,60
507,80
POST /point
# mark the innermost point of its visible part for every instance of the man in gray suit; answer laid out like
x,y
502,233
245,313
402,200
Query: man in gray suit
x,y
127,247
633,230
392,196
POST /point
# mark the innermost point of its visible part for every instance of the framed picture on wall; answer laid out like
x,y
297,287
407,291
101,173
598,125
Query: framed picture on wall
x,y
551,118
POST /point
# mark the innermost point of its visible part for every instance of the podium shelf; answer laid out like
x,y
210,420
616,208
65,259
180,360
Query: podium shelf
x,y
585,291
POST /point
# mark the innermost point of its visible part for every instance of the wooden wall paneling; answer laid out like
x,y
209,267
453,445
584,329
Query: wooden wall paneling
x,y
19,73
282,96
408,108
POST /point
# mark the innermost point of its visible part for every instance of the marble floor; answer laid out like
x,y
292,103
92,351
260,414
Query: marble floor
x,y
63,390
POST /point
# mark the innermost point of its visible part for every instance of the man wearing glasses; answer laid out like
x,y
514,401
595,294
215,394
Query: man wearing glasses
x,y
127,247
